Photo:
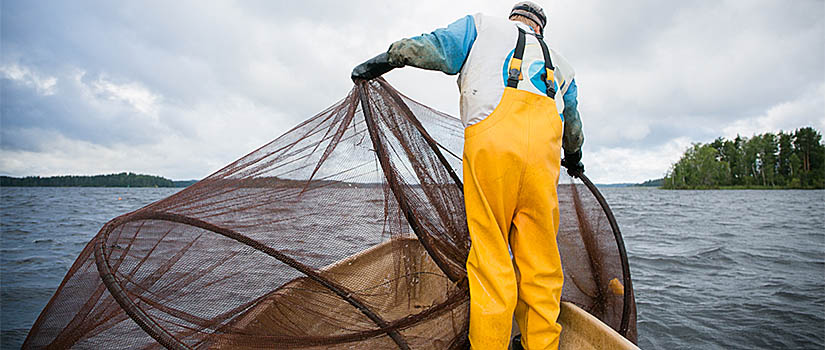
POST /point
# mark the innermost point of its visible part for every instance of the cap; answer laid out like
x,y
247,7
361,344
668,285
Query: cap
x,y
530,10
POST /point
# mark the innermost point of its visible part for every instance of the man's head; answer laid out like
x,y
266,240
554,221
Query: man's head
x,y
530,14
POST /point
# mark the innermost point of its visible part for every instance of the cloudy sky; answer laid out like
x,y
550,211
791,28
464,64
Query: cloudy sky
x,y
181,88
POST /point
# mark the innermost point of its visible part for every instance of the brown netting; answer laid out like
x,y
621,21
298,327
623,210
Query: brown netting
x,y
346,232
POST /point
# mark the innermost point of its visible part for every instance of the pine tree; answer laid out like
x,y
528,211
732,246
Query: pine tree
x,y
791,160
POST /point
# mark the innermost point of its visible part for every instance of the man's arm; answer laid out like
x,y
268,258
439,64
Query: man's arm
x,y
572,138
445,49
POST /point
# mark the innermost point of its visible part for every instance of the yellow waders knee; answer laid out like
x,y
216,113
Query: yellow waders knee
x,y
511,170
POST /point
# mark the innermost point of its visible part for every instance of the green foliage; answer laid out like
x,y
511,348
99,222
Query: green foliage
x,y
111,180
783,160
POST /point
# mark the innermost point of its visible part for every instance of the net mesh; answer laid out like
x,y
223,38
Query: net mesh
x,y
348,231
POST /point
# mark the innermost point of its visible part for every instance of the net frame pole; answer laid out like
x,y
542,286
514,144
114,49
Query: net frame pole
x,y
430,141
112,284
372,128
628,283
165,339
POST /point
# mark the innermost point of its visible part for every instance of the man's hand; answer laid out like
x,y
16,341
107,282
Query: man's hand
x,y
372,68
572,161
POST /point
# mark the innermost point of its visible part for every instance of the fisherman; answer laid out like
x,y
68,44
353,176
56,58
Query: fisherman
x,y
518,107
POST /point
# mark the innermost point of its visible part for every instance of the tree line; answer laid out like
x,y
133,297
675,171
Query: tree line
x,y
110,180
783,160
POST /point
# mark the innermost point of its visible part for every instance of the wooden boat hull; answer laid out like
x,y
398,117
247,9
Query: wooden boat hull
x,y
380,266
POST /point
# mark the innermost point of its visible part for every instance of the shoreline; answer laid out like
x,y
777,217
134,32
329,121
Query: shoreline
x,y
738,188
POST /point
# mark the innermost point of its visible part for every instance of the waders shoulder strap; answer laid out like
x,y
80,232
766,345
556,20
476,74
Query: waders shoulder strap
x,y
514,69
548,76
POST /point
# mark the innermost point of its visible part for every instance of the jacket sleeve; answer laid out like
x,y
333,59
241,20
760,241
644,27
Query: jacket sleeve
x,y
445,49
573,137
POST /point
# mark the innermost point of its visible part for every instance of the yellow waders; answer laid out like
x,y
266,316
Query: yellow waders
x,y
511,171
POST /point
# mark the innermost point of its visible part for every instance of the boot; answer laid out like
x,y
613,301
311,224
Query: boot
x,y
516,343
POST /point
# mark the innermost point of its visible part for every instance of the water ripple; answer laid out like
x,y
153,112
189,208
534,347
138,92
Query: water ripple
x,y
711,269
726,269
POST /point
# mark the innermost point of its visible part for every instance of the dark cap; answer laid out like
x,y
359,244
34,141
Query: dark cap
x,y
530,10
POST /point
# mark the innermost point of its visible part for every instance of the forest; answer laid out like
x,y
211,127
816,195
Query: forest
x,y
111,180
782,160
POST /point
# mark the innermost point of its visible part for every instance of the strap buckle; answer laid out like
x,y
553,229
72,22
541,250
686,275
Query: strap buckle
x,y
512,77
551,88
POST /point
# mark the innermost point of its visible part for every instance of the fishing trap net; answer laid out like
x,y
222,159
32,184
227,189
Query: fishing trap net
x,y
347,232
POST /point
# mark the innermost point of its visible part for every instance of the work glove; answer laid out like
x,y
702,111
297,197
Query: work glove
x,y
373,67
573,163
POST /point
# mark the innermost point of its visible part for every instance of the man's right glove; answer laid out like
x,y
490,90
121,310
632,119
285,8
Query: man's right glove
x,y
373,67
572,161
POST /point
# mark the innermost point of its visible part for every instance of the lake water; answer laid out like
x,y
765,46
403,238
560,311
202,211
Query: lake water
x,y
711,269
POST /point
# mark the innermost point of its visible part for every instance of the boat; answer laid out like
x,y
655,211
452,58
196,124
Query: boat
x,y
580,330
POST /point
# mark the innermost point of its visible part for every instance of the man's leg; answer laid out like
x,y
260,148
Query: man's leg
x,y
492,170
533,241
540,279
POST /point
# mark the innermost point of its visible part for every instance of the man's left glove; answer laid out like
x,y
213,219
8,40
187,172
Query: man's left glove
x,y
573,163
373,67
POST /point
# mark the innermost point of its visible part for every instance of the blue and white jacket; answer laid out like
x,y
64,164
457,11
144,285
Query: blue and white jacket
x,y
479,47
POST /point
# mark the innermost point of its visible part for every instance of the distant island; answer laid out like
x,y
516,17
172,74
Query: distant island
x,y
111,180
652,183
793,160
648,183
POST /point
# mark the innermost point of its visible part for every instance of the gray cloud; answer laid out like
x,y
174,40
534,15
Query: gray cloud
x,y
94,110
181,88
